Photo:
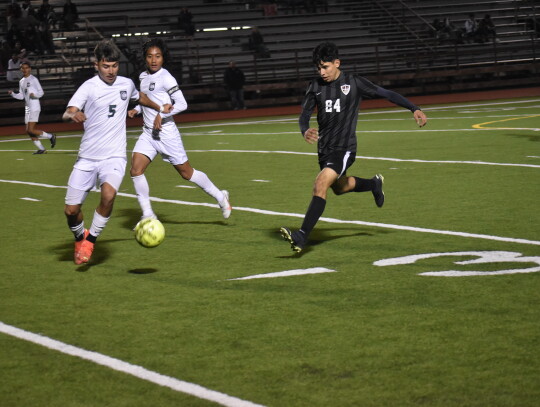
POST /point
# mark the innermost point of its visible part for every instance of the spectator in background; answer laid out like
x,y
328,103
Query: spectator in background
x,y
13,11
14,73
185,22
5,54
46,13
46,38
437,25
269,8
234,80
256,43
486,29
471,28
19,50
70,15
27,9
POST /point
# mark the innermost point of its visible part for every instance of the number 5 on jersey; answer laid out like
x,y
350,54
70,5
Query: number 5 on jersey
x,y
112,110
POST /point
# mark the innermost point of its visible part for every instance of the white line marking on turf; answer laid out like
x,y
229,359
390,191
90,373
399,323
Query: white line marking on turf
x,y
287,273
260,180
413,160
30,199
125,367
323,219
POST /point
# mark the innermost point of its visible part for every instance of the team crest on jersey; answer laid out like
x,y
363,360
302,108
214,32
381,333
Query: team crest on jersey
x,y
152,86
345,89
123,94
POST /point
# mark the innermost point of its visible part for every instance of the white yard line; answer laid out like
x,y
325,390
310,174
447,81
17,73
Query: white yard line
x,y
412,160
125,367
323,219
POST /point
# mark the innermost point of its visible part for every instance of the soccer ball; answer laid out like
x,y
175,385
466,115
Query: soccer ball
x,y
149,232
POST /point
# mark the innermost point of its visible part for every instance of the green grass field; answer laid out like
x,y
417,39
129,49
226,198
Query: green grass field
x,y
176,326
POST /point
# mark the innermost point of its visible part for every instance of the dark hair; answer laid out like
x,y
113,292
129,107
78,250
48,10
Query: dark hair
x,y
158,43
26,63
325,52
106,50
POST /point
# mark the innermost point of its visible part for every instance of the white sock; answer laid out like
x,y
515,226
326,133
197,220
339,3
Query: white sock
x,y
77,230
38,144
201,179
98,223
46,135
143,194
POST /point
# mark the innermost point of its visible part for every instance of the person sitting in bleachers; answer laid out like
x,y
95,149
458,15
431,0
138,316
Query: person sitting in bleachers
x,y
256,43
185,22
70,15
471,28
486,29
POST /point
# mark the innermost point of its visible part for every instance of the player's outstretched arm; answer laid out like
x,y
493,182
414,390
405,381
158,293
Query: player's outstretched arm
x,y
420,118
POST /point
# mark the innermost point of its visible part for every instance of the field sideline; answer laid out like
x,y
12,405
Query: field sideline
x,y
431,300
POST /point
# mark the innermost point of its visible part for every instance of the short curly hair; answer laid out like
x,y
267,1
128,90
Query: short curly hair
x,y
158,43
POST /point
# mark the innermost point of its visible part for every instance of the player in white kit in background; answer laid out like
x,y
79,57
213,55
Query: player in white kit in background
x,y
161,87
101,103
30,91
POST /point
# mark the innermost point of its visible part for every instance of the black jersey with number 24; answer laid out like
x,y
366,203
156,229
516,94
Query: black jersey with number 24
x,y
337,105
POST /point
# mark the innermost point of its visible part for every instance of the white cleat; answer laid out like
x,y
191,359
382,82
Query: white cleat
x,y
225,205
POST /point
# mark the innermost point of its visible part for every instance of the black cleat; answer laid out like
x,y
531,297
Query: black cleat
x,y
39,152
53,140
378,193
296,244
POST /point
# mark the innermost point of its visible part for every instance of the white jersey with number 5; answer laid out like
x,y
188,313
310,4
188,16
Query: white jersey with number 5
x,y
105,107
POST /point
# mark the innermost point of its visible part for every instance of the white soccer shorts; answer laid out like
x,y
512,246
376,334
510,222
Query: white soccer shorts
x,y
31,116
86,173
171,149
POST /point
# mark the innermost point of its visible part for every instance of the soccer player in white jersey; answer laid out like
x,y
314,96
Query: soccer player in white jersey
x,y
161,87
30,91
101,103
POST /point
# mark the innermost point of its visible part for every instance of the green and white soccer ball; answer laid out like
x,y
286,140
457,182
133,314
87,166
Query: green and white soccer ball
x,y
149,232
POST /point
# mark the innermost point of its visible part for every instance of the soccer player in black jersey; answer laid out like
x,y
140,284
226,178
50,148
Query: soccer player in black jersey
x,y
337,96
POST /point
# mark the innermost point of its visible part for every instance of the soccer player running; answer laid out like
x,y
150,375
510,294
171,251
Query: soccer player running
x,y
160,134
30,91
337,95
101,103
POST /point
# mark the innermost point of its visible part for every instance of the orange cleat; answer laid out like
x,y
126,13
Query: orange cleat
x,y
85,253
78,247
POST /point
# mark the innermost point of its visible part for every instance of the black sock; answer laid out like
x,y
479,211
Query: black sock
x,y
363,185
314,212
91,238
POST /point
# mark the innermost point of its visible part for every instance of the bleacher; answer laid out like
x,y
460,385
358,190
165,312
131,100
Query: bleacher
x,y
388,41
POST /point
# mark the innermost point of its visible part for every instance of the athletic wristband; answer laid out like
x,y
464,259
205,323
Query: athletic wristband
x,y
161,109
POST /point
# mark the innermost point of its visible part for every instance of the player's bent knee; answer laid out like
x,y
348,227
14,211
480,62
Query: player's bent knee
x,y
136,172
72,210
